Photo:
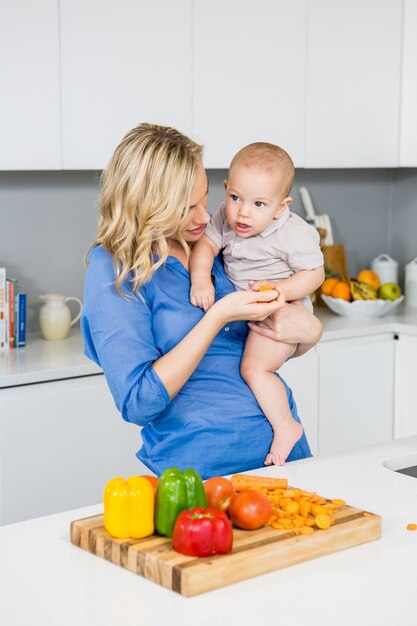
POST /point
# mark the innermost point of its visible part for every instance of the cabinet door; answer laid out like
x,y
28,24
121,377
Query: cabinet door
x,y
408,133
356,392
60,442
353,83
405,424
249,76
301,374
122,63
30,130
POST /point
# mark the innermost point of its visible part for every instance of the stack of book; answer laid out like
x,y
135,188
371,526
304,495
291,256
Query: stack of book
x,y
12,313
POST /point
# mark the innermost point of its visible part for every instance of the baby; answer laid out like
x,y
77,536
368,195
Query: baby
x,y
262,240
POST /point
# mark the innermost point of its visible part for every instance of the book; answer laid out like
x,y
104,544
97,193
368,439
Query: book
x,y
11,291
16,319
3,343
21,336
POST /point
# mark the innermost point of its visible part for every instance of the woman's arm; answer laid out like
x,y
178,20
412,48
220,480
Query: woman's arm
x,y
176,367
118,336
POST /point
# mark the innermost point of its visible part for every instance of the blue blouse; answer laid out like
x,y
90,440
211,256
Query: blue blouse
x,y
214,423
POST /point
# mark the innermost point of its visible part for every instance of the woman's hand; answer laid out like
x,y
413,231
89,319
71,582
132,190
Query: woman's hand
x,y
292,323
247,305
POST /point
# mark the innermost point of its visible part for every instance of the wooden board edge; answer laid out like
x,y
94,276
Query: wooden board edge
x,y
194,580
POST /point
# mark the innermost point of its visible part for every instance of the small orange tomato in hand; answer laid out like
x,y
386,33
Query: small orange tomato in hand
x,y
250,510
219,492
153,480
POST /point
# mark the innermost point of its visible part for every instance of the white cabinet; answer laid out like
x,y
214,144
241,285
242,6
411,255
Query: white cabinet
x,y
301,375
405,416
30,123
249,76
60,442
122,63
408,131
332,82
353,83
356,392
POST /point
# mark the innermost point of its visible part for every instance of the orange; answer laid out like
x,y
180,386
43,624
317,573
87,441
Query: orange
x,y
341,290
328,285
369,278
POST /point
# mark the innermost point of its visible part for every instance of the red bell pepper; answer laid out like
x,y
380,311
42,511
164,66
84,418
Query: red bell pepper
x,y
202,532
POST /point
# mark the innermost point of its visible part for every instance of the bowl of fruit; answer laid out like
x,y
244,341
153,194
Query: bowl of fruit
x,y
361,297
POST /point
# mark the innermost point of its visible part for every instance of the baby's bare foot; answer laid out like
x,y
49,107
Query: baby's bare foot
x,y
285,437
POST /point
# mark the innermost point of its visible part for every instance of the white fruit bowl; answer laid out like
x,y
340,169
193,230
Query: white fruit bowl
x,y
361,308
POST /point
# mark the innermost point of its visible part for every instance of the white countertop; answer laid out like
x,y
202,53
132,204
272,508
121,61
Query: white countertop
x,y
402,320
45,580
43,360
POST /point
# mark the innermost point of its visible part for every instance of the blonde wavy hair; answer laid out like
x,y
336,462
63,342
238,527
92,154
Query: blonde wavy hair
x,y
145,194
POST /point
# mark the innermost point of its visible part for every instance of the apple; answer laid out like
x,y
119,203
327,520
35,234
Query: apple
x,y
389,291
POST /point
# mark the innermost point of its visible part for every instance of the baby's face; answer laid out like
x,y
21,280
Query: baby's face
x,y
253,199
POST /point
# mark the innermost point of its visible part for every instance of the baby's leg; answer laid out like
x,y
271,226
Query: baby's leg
x,y
262,356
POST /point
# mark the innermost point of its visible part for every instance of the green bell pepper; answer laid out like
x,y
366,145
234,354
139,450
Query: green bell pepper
x,y
177,491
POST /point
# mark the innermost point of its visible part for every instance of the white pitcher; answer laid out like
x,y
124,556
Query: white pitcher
x,y
386,268
411,283
55,316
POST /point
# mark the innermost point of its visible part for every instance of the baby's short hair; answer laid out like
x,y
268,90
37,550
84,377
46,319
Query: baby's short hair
x,y
267,157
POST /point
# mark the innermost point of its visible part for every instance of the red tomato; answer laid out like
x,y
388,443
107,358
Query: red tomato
x,y
153,480
219,492
250,509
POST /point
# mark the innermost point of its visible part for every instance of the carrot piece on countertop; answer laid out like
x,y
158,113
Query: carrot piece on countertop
x,y
411,526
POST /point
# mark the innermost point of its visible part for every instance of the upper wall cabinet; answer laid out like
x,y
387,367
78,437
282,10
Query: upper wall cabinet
x,y
123,63
408,132
249,76
353,83
30,125
332,81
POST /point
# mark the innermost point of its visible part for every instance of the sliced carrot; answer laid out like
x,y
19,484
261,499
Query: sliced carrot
x,y
323,521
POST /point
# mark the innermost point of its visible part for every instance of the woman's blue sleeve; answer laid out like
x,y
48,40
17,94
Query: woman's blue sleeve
x,y
118,337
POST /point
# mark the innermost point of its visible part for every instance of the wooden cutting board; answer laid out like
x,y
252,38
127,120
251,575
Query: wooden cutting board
x,y
254,552
334,260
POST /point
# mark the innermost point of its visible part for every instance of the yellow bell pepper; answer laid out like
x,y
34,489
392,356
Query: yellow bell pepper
x,y
129,508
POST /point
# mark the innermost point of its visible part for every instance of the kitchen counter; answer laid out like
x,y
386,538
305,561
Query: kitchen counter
x,y
402,320
53,360
46,580
43,360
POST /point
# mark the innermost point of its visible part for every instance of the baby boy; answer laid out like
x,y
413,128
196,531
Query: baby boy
x,y
262,240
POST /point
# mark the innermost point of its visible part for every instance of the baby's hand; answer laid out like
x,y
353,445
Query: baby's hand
x,y
202,295
263,286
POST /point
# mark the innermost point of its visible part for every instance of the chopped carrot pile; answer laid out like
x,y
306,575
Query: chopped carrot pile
x,y
292,509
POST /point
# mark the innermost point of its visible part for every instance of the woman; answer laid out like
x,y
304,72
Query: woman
x,y
172,368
